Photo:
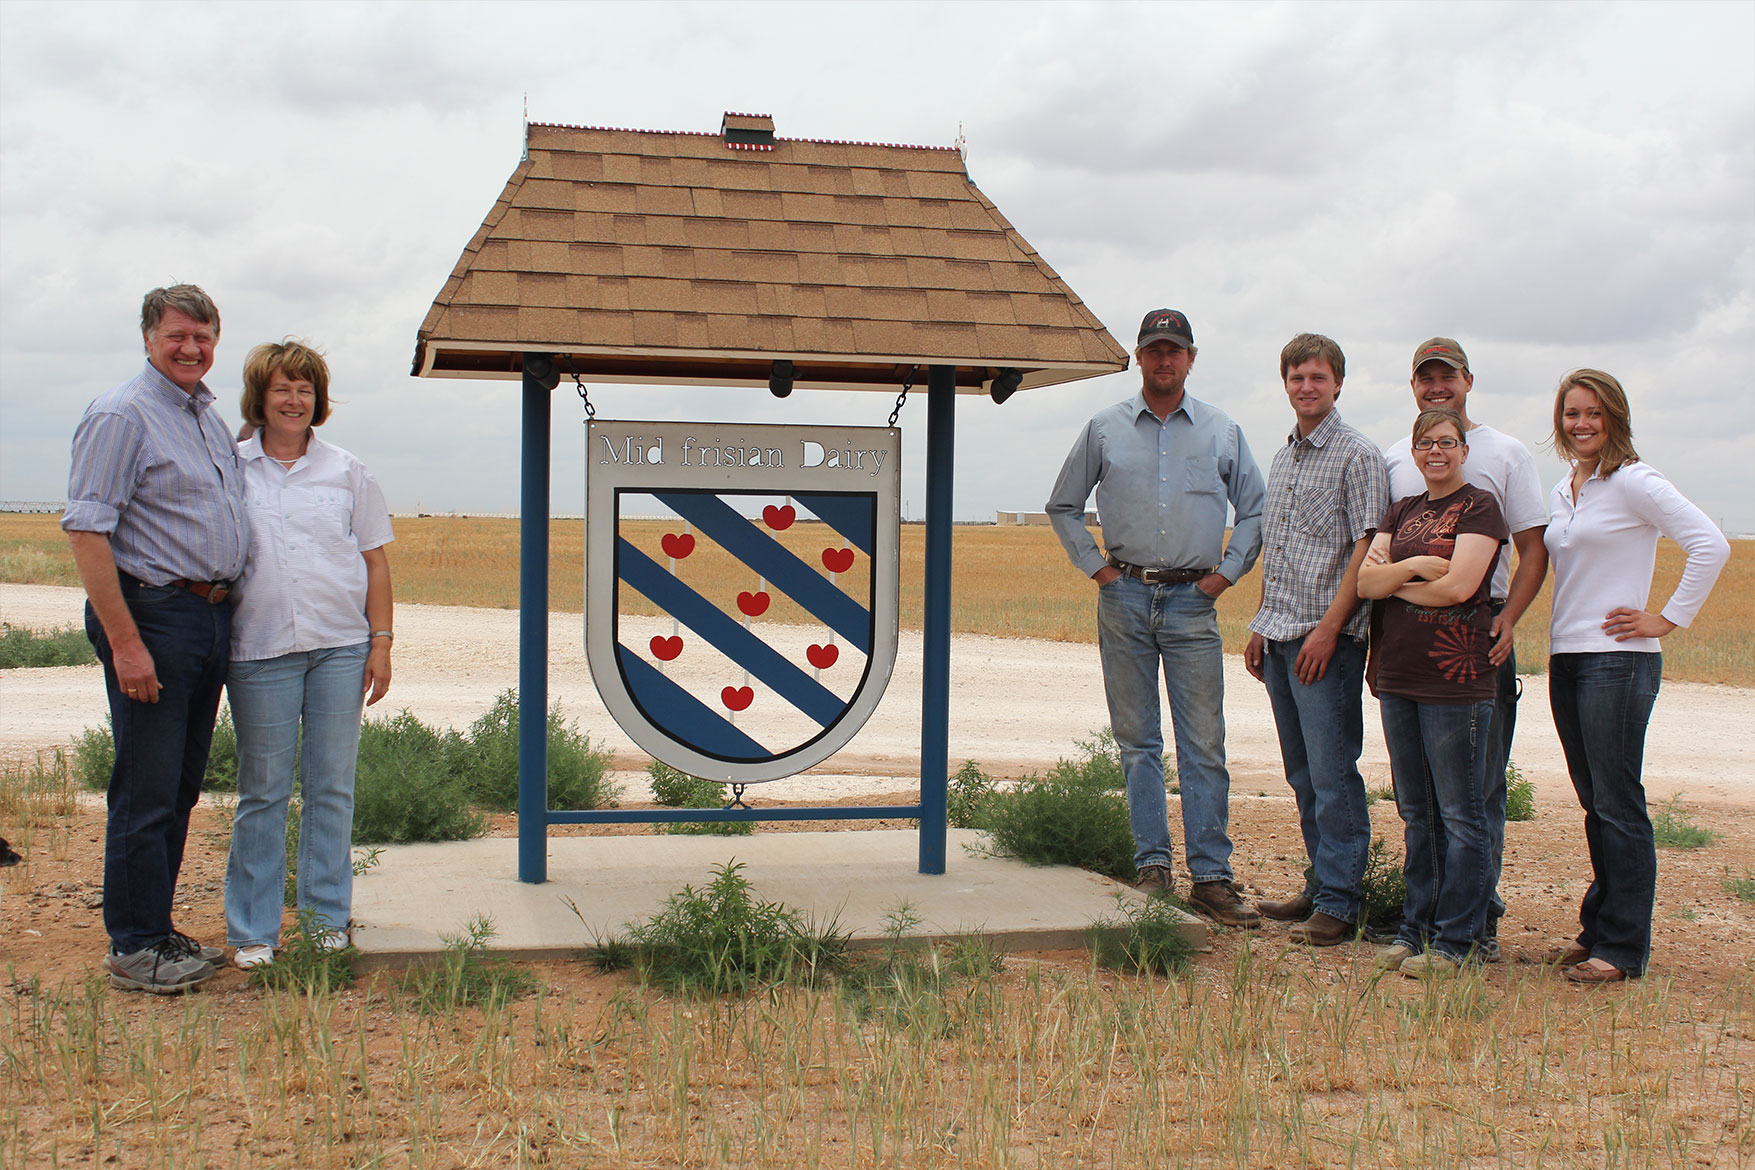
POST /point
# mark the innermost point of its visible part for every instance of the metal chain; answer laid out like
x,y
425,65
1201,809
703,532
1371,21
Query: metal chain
x,y
907,385
584,394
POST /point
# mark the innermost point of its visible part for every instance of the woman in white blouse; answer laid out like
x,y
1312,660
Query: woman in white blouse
x,y
311,640
1605,663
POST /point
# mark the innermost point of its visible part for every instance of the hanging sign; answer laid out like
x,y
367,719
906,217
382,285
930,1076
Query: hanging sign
x,y
740,588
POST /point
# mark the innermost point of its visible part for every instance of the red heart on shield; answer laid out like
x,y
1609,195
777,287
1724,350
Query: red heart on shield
x,y
823,657
678,544
837,560
737,698
666,648
754,604
779,519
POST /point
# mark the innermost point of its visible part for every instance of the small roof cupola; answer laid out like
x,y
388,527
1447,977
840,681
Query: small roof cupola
x,y
747,131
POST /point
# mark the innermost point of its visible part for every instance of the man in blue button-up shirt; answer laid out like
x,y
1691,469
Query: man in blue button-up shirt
x,y
1167,469
155,516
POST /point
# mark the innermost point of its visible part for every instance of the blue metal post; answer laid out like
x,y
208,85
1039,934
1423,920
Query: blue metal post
x,y
540,377
935,689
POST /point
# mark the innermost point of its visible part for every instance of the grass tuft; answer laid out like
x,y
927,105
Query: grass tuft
x,y
1673,830
24,647
1145,938
466,975
723,940
1740,888
1386,891
301,965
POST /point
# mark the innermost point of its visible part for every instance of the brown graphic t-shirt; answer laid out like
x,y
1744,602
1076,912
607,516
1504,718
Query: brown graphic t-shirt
x,y
1439,655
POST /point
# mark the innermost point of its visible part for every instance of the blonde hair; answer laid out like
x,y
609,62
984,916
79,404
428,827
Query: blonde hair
x,y
299,362
1617,420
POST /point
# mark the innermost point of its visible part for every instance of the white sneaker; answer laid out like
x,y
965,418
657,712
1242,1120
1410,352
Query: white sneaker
x,y
332,940
253,956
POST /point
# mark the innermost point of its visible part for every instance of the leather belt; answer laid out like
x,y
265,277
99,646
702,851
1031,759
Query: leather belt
x,y
212,592
1159,576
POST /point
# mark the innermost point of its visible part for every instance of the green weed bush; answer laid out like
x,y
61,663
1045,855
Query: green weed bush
x,y
966,800
723,940
21,646
94,754
1740,888
1386,890
1520,795
408,787
1072,816
303,966
578,774
676,789
94,757
1144,938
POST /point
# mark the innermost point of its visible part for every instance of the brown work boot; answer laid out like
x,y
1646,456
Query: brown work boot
x,y
1322,930
1155,881
1294,909
1221,902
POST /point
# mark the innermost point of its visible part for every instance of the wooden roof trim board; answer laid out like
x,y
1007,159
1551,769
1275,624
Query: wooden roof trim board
x,y
669,257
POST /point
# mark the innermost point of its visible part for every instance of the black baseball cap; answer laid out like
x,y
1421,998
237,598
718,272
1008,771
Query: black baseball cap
x,y
1165,325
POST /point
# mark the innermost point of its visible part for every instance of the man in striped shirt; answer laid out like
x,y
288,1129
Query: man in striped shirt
x,y
155,516
1326,492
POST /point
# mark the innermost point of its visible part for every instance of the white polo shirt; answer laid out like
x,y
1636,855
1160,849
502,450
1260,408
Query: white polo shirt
x,y
304,583
1603,549
1497,464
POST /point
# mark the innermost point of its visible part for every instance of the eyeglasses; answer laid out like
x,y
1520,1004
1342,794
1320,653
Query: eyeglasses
x,y
1445,444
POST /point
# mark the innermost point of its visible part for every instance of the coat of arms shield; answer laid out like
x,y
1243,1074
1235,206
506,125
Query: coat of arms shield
x,y
741,588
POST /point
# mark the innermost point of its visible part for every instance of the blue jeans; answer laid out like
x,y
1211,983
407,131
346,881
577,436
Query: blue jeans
x,y
299,712
1139,627
1438,754
161,754
1322,731
1504,724
1602,704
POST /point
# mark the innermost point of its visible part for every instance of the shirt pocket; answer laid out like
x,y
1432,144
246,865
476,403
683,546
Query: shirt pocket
x,y
1315,511
331,519
1201,474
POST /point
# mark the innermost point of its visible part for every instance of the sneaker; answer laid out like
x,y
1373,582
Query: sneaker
x,y
332,940
248,958
163,968
1221,902
1392,958
1429,965
212,956
1155,881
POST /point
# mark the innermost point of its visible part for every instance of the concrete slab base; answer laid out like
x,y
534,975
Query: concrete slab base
x,y
416,895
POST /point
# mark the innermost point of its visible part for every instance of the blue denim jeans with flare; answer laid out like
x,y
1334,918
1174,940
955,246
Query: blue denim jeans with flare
x,y
298,713
1602,706
1142,629
1322,730
1438,755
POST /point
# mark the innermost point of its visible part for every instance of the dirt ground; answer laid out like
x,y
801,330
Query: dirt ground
x,y
1016,706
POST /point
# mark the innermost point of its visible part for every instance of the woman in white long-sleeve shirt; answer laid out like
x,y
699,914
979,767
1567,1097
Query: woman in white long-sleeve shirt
x,y
1605,661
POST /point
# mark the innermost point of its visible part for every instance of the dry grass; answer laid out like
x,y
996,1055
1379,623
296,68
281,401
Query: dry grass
x,y
1273,1062
1011,582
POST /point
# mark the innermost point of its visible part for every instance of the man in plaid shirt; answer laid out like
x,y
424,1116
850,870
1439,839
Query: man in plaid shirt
x,y
1326,492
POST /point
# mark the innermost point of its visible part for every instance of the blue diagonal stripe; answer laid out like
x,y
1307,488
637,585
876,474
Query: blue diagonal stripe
x,y
850,514
774,561
727,636
670,707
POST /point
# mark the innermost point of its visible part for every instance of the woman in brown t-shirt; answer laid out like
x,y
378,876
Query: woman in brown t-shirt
x,y
1430,564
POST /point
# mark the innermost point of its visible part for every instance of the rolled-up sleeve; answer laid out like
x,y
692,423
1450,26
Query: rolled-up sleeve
x,y
1066,503
1248,492
106,467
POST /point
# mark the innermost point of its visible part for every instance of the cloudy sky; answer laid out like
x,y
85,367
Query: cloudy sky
x,y
1554,184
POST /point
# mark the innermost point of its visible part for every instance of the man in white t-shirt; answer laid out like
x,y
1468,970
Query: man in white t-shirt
x,y
1501,465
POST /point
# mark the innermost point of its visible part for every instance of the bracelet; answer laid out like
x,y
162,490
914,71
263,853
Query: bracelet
x,y
384,634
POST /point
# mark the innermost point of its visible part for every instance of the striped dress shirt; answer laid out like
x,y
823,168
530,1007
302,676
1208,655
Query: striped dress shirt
x,y
156,471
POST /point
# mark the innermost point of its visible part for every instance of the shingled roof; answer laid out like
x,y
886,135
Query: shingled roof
x,y
700,258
